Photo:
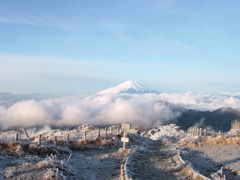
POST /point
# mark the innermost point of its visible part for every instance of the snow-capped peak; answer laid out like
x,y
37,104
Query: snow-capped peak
x,y
131,87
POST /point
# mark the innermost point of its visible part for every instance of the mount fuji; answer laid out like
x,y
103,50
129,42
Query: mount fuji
x,y
130,87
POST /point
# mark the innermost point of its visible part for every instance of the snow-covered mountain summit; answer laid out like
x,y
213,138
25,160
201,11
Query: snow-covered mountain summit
x,y
131,87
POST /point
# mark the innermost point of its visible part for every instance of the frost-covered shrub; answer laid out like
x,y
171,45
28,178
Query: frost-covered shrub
x,y
51,161
8,173
56,169
53,174
170,132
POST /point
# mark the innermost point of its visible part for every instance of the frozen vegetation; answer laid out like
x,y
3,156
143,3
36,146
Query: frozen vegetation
x,y
166,133
87,153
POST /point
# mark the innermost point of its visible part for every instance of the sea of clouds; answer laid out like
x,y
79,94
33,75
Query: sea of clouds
x,y
143,111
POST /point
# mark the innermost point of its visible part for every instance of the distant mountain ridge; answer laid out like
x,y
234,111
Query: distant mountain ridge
x,y
219,119
129,86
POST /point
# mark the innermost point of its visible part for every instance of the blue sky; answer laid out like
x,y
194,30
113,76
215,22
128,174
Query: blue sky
x,y
81,47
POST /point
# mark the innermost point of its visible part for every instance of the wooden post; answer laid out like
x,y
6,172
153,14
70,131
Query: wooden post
x,y
85,135
200,132
190,130
99,133
16,137
39,139
106,132
25,132
68,137
55,140
205,132
124,143
125,139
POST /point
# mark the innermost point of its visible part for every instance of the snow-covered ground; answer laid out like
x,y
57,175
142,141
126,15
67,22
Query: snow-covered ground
x,y
99,157
91,158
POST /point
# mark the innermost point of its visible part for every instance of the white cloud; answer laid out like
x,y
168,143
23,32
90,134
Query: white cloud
x,y
139,110
202,101
25,113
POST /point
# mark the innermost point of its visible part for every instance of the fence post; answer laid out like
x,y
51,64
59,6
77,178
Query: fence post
x,y
124,143
25,132
68,138
106,132
85,135
200,132
16,137
99,133
55,140
205,132
190,130
39,139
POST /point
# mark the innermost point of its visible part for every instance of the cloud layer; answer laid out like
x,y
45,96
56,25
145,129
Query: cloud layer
x,y
143,111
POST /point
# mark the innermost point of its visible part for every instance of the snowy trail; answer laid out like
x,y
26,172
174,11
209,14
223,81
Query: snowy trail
x,y
154,162
103,164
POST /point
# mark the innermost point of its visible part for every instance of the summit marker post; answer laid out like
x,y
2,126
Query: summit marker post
x,y
125,139
126,129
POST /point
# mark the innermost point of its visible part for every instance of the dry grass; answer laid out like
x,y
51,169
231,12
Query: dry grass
x,y
83,141
208,141
43,164
11,147
17,148
39,150
104,142
83,144
221,141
